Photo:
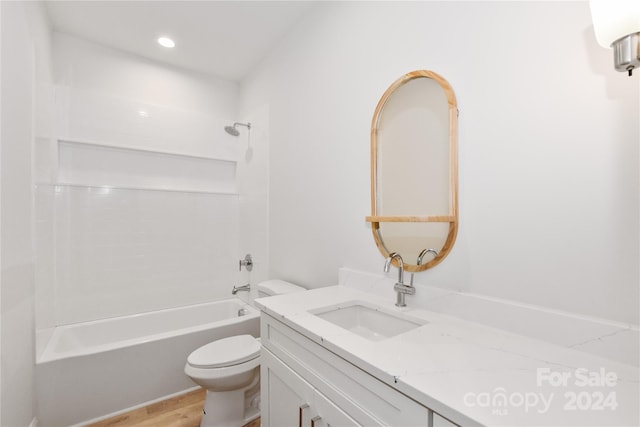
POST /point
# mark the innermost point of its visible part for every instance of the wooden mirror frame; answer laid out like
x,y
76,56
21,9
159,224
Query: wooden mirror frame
x,y
450,217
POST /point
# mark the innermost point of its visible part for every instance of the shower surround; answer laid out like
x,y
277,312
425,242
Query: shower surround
x,y
118,251
136,196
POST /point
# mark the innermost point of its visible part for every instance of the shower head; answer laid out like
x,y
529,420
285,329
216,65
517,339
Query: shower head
x,y
231,130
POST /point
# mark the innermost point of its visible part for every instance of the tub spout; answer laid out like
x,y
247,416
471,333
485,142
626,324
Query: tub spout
x,y
244,288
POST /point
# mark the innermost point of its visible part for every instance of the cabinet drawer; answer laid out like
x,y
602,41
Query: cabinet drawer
x,y
368,400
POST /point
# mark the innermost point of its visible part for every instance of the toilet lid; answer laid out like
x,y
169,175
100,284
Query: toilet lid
x,y
225,352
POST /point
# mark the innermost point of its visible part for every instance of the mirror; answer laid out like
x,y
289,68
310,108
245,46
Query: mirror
x,y
414,170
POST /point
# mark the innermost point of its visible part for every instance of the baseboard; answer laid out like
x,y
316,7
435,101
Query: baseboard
x,y
132,408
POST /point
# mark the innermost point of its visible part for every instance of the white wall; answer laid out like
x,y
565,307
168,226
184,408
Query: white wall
x,y
26,74
89,66
548,148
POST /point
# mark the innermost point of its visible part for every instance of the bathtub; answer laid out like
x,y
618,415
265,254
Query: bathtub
x,y
92,370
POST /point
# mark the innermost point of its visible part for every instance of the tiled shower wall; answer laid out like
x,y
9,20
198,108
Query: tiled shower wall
x,y
123,226
136,199
107,252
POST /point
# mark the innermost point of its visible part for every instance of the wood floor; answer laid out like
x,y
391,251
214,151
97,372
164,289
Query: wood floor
x,y
180,411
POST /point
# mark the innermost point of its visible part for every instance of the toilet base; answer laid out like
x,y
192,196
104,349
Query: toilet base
x,y
231,408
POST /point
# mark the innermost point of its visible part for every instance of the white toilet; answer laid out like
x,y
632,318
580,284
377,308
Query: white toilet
x,y
229,369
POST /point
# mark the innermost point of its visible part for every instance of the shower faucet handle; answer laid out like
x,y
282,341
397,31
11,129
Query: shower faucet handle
x,y
247,262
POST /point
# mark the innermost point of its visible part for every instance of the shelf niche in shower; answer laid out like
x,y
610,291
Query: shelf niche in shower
x,y
96,165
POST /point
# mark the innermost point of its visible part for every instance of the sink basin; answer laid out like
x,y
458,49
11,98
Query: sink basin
x,y
367,320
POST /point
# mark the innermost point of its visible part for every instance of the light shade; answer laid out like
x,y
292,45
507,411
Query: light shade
x,y
614,19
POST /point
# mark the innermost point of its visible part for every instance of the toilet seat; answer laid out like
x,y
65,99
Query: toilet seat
x,y
229,369
225,352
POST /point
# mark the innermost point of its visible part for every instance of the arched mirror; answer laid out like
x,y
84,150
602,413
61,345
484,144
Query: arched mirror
x,y
414,170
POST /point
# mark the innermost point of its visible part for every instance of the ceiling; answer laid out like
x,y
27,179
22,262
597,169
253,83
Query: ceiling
x,y
226,39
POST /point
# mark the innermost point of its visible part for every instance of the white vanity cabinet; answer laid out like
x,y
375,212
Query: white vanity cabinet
x,y
304,384
292,401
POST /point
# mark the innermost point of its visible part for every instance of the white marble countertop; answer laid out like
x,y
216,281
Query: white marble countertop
x,y
470,373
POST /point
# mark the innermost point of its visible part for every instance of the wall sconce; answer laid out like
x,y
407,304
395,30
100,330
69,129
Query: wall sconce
x,y
617,26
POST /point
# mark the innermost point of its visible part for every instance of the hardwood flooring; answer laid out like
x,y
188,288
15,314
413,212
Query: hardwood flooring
x,y
180,411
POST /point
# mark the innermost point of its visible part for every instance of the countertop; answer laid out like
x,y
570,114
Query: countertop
x,y
470,373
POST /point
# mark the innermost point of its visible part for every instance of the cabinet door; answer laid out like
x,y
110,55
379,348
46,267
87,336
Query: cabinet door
x,y
288,400
286,397
327,414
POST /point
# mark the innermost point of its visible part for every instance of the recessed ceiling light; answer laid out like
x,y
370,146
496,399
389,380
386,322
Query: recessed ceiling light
x,y
166,42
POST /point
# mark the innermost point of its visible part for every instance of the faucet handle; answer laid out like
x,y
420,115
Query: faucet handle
x,y
247,262
404,289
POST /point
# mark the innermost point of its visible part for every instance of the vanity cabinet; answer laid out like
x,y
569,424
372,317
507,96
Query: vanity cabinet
x,y
292,401
304,384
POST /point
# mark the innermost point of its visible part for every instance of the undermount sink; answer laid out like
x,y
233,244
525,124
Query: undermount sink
x,y
367,320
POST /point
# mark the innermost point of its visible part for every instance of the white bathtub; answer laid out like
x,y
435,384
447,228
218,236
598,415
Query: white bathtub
x,y
91,370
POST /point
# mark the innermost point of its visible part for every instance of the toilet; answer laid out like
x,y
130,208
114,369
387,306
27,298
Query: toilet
x,y
229,369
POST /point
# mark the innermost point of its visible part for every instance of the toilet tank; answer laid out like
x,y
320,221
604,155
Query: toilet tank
x,y
277,287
